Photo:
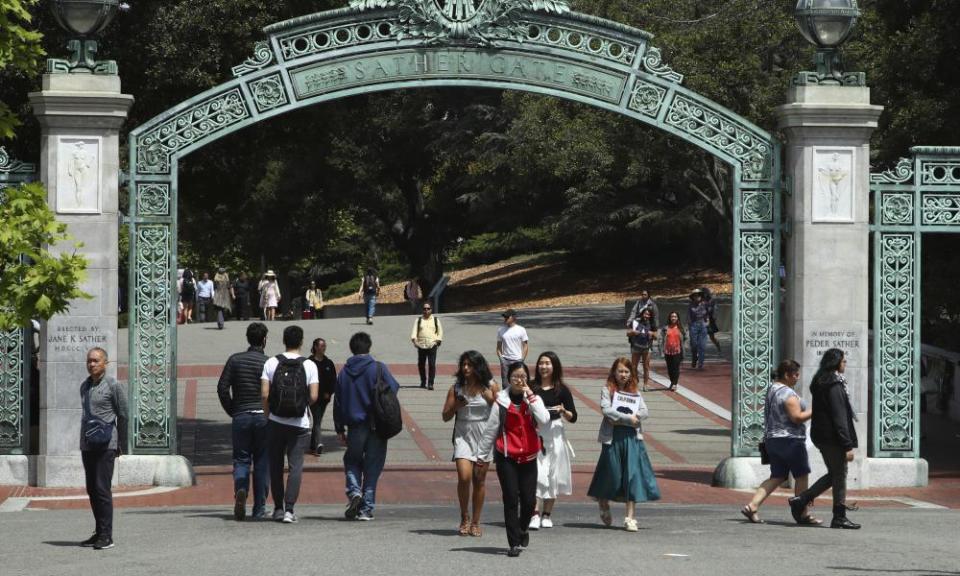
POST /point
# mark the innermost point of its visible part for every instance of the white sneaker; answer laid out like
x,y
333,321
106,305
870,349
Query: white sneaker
x,y
534,522
546,522
289,517
630,525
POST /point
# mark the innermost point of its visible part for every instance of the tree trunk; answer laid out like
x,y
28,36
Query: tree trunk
x,y
419,238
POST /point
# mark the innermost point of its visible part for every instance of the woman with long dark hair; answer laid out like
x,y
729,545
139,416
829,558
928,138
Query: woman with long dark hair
x,y
641,334
834,434
624,472
511,434
671,337
554,474
784,435
469,401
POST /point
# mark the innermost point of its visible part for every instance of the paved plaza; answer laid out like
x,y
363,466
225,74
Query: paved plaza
x,y
421,540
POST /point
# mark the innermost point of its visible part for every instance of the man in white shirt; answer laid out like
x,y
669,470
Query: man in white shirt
x,y
512,343
288,435
204,296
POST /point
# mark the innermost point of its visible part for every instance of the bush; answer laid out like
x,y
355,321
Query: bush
x,y
495,246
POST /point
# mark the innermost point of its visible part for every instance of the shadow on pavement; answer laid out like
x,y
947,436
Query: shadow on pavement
x,y
436,532
482,550
918,571
62,543
589,525
704,432
594,317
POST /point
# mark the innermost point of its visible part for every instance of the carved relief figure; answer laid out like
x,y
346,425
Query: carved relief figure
x,y
77,168
832,177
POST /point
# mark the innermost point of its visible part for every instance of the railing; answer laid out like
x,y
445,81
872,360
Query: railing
x,y
437,292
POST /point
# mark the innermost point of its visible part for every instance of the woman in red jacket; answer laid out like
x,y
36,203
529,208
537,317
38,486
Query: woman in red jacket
x,y
511,431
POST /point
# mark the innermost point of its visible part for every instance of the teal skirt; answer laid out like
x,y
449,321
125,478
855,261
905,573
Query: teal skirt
x,y
624,473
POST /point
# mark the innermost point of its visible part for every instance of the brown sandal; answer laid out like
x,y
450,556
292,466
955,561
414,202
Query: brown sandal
x,y
475,530
464,529
751,515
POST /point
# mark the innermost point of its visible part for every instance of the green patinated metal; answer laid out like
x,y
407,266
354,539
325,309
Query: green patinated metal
x,y
921,194
536,46
14,344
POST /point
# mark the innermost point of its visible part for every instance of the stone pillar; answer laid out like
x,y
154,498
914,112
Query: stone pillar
x,y
80,117
828,131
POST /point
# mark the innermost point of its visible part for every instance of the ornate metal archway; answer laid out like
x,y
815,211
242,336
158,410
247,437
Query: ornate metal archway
x,y
921,194
15,345
378,45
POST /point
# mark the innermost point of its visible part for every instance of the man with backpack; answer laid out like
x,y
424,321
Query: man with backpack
x,y
369,290
426,336
365,415
288,385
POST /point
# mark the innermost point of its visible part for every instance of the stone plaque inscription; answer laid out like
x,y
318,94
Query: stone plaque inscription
x,y
459,63
66,339
851,340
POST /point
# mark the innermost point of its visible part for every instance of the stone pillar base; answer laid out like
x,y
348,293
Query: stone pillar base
x,y
748,473
18,470
130,470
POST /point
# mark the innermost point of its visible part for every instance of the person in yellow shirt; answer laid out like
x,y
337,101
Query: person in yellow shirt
x,y
426,336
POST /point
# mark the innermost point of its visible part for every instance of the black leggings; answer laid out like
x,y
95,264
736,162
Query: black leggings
x,y
835,457
518,483
673,367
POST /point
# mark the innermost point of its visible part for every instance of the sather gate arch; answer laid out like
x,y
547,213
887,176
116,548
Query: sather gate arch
x,y
378,45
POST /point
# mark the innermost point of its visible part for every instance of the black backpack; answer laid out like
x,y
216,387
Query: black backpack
x,y
289,394
370,284
387,418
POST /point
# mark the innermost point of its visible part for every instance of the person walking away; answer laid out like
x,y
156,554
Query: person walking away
x,y
204,297
241,293
353,418
511,434
427,335
833,433
411,293
288,385
239,393
469,401
222,296
102,432
369,290
269,295
784,438
698,320
328,384
641,334
672,336
554,471
188,294
623,472
314,300
712,327
512,343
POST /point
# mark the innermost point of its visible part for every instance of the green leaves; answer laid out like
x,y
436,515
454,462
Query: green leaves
x,y
35,280
19,49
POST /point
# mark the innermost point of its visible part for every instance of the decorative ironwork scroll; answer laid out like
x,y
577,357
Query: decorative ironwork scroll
x,y
151,364
921,194
756,300
14,352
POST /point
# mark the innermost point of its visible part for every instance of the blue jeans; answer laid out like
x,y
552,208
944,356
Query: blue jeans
x,y
698,343
362,463
371,302
250,447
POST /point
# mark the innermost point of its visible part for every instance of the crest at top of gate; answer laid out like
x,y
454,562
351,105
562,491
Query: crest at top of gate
x,y
480,22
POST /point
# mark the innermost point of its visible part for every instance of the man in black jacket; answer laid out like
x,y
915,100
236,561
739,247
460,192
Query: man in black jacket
x,y
833,433
239,392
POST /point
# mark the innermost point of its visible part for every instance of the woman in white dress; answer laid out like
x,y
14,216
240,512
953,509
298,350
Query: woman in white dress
x,y
269,295
554,475
469,401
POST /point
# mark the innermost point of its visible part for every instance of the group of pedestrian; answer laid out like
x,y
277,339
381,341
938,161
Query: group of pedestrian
x,y
646,334
277,405
784,441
